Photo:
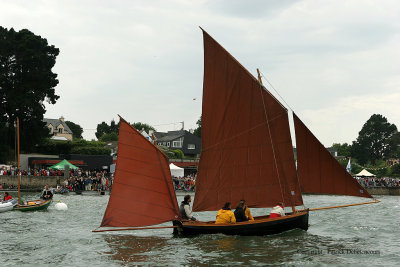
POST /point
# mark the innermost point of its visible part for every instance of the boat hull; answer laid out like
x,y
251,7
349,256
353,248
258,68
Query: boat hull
x,y
262,225
7,205
39,205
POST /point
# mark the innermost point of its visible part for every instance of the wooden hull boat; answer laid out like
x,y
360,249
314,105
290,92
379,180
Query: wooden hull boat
x,y
262,225
34,205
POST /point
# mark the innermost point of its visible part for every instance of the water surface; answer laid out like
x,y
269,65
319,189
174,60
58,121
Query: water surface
x,y
361,235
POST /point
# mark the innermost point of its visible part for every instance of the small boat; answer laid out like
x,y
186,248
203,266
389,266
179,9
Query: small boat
x,y
31,205
34,205
247,153
7,205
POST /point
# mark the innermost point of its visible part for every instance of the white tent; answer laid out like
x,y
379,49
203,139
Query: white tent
x,y
176,171
365,173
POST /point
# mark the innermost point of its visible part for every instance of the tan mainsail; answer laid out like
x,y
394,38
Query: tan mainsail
x,y
318,171
246,146
142,192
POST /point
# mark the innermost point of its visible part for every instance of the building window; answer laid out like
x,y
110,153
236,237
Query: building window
x,y
178,143
168,144
191,146
60,130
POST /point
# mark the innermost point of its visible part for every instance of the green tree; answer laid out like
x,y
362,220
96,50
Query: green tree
x,y
375,140
109,137
140,125
343,149
197,131
26,81
76,129
104,128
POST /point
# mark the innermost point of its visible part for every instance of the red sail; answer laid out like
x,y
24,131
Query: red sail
x,y
318,171
142,192
246,146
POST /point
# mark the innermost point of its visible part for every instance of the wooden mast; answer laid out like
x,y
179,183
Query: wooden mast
x,y
19,172
260,80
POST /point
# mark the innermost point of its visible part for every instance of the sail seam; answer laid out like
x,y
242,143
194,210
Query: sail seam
x,y
244,132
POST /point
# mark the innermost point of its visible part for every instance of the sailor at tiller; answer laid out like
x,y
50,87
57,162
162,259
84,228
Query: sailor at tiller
x,y
184,209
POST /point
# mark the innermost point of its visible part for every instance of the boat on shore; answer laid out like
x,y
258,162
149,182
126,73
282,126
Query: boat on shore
x,y
247,153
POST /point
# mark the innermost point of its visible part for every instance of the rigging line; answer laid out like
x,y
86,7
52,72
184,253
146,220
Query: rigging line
x,y
272,143
276,91
297,176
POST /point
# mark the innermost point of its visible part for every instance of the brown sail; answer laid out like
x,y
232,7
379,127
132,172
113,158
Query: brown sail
x,y
142,192
318,171
246,146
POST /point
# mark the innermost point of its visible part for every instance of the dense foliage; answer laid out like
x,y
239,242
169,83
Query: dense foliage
x,y
103,128
79,146
76,129
197,131
26,80
376,140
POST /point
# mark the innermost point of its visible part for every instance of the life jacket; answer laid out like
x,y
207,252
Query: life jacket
x,y
225,216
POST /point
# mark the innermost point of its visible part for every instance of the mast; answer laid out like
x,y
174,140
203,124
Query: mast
x,y
259,76
19,172
292,202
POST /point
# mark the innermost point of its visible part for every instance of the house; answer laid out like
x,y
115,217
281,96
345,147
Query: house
x,y
58,129
183,140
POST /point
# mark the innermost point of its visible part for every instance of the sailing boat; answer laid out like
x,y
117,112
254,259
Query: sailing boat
x,y
246,154
31,205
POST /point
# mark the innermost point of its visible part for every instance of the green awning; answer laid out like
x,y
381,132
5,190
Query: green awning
x,y
61,165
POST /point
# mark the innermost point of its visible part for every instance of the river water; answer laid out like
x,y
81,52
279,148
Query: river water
x,y
366,235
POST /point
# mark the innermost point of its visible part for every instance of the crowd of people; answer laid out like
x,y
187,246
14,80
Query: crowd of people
x,y
368,182
187,183
87,181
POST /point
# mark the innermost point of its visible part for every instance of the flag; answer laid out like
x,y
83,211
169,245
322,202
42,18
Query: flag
x,y
348,168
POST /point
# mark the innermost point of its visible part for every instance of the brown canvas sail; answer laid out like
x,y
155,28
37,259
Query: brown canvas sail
x,y
142,192
318,171
246,146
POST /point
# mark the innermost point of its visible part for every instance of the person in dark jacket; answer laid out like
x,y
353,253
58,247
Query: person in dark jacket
x,y
47,194
184,209
240,214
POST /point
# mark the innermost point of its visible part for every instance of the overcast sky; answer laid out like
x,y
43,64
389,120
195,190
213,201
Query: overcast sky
x,y
335,63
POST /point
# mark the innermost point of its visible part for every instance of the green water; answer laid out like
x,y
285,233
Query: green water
x,y
366,235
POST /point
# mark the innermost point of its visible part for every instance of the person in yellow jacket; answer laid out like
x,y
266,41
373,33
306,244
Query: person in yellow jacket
x,y
225,215
246,210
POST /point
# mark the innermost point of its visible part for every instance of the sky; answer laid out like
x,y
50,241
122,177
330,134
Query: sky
x,y
334,63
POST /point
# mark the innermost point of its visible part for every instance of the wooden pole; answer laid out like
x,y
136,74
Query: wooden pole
x,y
134,228
19,172
259,76
343,206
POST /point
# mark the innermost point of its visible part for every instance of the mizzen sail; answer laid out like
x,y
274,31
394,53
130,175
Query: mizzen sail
x,y
318,171
246,146
142,192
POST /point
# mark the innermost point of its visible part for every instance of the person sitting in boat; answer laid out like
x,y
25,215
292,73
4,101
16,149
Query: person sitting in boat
x,y
277,211
240,215
46,194
247,210
7,196
225,215
184,209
